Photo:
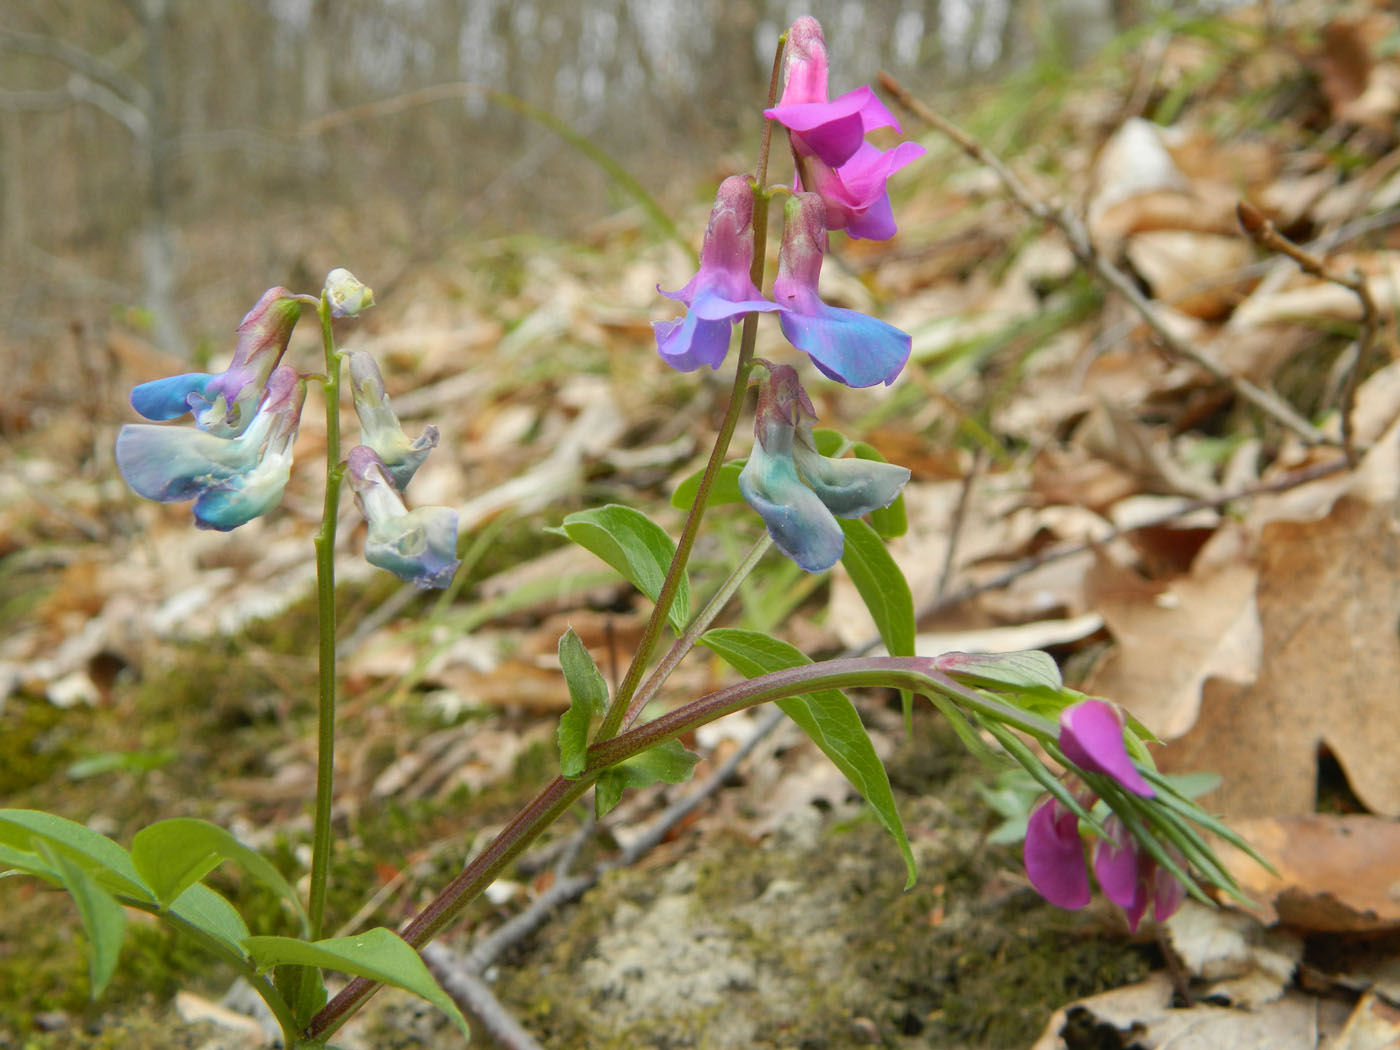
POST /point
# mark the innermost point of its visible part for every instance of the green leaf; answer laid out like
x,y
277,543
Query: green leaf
x,y
826,716
885,592
302,988
588,699
210,912
725,489
174,854
102,858
104,921
636,547
668,763
379,954
1028,670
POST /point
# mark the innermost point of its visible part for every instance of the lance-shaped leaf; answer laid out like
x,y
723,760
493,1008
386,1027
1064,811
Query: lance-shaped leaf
x,y
99,856
103,918
826,716
885,592
636,547
588,699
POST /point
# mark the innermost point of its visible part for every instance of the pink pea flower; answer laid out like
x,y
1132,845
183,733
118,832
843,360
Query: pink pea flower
x,y
1054,856
721,292
1091,736
832,130
854,193
846,346
1129,876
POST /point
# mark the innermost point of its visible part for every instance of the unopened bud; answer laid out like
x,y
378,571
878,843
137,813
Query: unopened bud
x,y
346,294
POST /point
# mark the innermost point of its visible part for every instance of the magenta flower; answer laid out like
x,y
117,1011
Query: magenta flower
x,y
1091,736
831,130
1129,875
846,346
224,403
1054,856
854,193
721,292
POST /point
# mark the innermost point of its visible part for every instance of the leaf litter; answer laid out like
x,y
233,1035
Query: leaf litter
x,y
1045,420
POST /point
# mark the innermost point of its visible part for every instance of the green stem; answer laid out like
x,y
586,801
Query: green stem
x,y
325,624
651,634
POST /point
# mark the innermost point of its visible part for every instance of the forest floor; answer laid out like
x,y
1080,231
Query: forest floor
x,y
1134,458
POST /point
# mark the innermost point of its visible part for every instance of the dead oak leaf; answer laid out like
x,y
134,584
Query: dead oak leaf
x,y
1329,594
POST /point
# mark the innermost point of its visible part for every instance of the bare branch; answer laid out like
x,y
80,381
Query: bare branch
x,y
79,61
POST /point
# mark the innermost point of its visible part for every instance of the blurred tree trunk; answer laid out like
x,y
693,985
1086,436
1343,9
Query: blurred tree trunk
x,y
158,234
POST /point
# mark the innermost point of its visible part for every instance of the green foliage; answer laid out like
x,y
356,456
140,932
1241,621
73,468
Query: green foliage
x,y
724,491
102,917
668,763
634,545
588,699
827,717
884,590
379,954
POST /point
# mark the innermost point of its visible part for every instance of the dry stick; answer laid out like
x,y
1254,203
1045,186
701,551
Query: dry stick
x,y
1025,565
1083,248
476,1000
1264,233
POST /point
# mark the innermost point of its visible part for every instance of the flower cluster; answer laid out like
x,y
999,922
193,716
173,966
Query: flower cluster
x,y
846,182
236,460
797,491
1091,736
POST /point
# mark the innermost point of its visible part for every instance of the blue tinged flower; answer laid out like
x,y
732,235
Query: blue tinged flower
x,y
722,291
800,493
231,479
224,403
846,346
400,457
420,545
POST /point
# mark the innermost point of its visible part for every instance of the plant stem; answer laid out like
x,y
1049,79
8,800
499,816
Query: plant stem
x,y
325,625
651,634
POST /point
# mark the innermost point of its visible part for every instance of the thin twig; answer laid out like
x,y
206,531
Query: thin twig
x,y
1083,248
1051,554
1266,235
969,482
476,1000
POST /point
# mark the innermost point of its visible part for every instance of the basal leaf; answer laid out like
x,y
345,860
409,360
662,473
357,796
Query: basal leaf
x,y
379,954
636,547
103,918
725,489
102,858
826,716
588,699
174,854
668,763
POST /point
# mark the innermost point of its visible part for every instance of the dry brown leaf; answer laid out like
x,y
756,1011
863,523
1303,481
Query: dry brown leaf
x,y
1248,965
1329,592
1335,873
1170,641
1198,273
1373,1025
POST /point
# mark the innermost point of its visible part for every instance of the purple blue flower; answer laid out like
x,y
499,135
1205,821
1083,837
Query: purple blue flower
x,y
846,346
224,403
231,479
420,545
800,493
722,291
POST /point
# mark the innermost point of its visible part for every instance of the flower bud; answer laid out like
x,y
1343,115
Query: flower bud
x,y
346,295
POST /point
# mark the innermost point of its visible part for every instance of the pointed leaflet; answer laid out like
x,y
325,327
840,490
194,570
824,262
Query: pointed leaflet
x,y
636,547
210,912
174,854
667,762
103,918
826,716
99,856
725,489
588,699
379,954
884,591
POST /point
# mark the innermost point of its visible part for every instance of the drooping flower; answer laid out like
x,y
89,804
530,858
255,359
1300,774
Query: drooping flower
x,y
1054,856
721,292
419,545
382,431
1130,876
231,479
798,492
1091,736
832,130
846,346
224,402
